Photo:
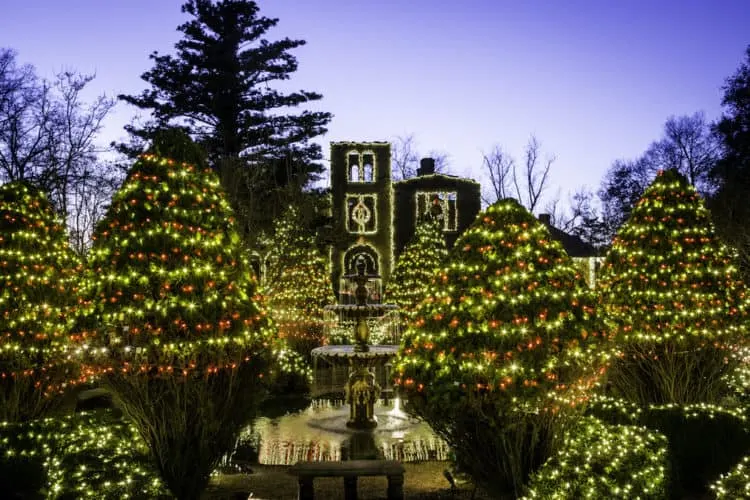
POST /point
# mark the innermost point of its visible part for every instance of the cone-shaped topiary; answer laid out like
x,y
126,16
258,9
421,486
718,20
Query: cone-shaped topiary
x,y
501,351
297,285
38,280
415,267
672,298
177,332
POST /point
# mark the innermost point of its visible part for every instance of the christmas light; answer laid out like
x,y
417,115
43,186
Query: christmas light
x,y
87,455
672,299
171,322
297,285
415,267
38,283
604,461
506,336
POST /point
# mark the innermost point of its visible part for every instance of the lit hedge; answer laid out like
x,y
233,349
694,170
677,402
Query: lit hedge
x,y
87,455
604,461
735,484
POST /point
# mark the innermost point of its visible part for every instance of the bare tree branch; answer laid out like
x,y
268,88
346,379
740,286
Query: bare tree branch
x,y
499,167
404,157
47,137
534,180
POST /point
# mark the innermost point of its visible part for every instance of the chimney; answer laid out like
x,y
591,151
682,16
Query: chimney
x,y
426,166
545,219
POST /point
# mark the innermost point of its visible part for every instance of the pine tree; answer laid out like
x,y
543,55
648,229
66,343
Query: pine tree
x,y
38,278
672,298
219,86
415,267
502,347
176,329
728,204
297,285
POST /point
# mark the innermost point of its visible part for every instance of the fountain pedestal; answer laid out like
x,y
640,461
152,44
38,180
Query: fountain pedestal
x,y
361,393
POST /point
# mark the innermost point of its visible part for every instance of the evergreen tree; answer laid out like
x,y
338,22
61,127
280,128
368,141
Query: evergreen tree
x,y
38,277
729,204
297,285
415,267
501,350
217,87
177,331
672,298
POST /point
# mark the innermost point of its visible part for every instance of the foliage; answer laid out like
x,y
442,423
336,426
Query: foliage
x,y
598,460
738,380
501,350
218,86
672,299
732,172
94,455
735,484
174,324
297,284
581,219
687,145
704,440
416,266
38,282
47,137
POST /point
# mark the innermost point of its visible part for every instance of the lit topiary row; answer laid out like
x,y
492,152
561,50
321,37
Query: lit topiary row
x,y
604,461
85,456
735,484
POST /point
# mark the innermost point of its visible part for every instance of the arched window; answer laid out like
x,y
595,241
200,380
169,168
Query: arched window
x,y
354,169
368,167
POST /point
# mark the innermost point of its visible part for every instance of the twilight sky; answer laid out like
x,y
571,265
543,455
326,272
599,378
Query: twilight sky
x,y
594,80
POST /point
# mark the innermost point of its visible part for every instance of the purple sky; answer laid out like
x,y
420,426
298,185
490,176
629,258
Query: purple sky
x,y
594,80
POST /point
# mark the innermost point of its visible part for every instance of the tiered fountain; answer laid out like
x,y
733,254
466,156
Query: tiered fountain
x,y
362,391
370,427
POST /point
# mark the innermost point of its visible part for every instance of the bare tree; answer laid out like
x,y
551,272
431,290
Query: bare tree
x,y
535,175
526,184
442,160
405,157
688,146
579,217
47,137
499,166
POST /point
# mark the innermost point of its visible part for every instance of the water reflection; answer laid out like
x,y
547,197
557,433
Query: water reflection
x,y
319,433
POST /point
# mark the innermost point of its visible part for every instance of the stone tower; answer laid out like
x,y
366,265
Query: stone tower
x,y
361,193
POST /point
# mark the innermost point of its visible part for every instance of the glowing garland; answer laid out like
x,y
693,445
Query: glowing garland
x,y
361,166
360,214
426,199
